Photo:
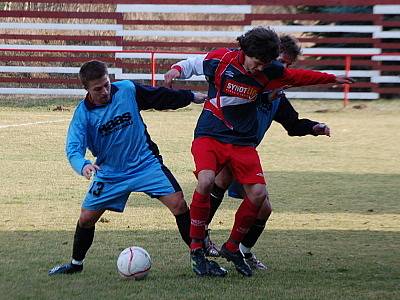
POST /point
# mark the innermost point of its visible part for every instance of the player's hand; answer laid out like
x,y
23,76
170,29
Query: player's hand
x,y
199,97
344,80
170,76
89,170
322,129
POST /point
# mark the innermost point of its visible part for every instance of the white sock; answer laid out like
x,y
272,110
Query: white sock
x,y
244,249
77,262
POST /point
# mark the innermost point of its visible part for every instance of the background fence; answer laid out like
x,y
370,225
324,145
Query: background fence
x,y
43,43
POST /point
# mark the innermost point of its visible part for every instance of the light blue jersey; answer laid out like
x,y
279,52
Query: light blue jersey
x,y
116,135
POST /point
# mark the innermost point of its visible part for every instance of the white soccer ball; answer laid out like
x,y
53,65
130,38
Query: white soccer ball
x,y
134,263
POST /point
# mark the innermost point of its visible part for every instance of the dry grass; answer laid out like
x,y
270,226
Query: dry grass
x,y
362,143
334,233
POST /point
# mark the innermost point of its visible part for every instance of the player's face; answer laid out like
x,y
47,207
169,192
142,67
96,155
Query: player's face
x,y
286,59
252,64
99,90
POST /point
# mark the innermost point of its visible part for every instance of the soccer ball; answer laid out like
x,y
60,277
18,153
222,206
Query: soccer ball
x,y
134,263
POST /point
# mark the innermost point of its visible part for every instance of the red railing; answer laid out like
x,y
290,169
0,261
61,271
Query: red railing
x,y
347,62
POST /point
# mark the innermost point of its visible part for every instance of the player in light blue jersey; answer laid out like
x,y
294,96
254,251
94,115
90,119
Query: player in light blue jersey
x,y
108,123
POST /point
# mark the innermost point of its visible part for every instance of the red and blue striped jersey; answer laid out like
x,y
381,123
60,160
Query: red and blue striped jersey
x,y
230,115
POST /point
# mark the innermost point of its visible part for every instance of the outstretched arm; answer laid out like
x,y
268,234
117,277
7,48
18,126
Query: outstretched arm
x,y
162,98
184,69
299,77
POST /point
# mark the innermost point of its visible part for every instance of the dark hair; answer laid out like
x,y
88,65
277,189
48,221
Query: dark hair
x,y
92,70
290,45
261,43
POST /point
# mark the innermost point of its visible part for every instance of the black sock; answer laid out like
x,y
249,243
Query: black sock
x,y
254,233
83,239
217,194
183,222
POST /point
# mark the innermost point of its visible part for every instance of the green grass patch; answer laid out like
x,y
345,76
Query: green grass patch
x,y
303,265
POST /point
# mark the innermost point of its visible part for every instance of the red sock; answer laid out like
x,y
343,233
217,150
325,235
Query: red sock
x,y
244,218
199,211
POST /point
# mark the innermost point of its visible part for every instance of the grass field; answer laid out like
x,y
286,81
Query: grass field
x,y
334,232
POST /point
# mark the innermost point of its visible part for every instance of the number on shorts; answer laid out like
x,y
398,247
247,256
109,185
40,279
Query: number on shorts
x,y
97,188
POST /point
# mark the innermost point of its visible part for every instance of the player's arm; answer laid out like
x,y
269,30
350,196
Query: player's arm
x,y
299,77
288,117
76,144
184,69
198,65
162,98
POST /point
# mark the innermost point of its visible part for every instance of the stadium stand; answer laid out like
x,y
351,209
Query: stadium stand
x,y
43,43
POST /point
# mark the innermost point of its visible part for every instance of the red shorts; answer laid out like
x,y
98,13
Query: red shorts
x,y
210,154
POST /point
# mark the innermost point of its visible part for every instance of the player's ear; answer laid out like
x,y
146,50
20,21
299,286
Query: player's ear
x,y
85,86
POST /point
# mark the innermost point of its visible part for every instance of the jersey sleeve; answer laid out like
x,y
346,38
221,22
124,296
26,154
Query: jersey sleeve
x,y
288,117
200,65
161,98
189,67
299,77
76,142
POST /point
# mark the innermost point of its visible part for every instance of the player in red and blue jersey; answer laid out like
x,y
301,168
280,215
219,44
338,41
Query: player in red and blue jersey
x,y
108,123
226,132
278,109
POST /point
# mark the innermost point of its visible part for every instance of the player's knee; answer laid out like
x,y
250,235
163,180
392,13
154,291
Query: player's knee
x,y
88,218
267,204
258,196
265,210
205,183
179,207
175,203
86,222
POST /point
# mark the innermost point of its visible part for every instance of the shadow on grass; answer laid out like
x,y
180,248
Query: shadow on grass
x,y
304,265
325,192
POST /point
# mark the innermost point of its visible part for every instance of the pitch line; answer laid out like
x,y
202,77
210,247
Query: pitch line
x,y
33,123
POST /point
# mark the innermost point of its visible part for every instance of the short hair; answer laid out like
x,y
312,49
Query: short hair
x,y
92,70
290,46
261,43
